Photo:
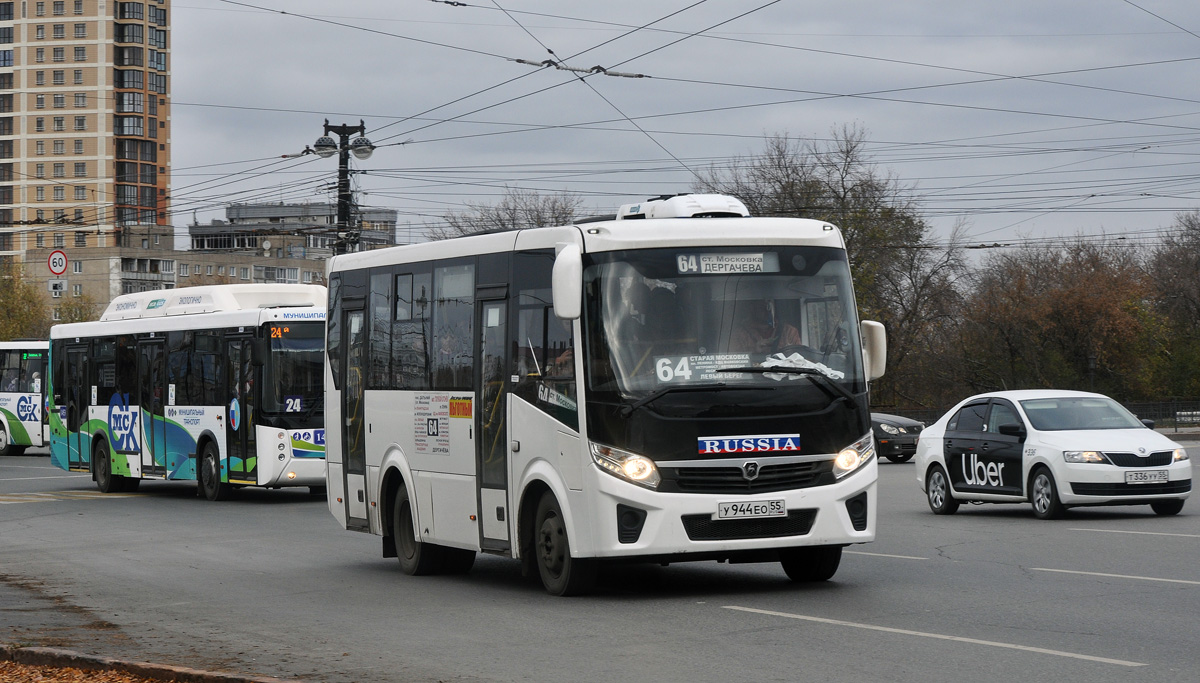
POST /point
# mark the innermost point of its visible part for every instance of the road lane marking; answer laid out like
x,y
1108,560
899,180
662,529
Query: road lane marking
x,y
1115,576
1144,533
51,496
61,476
898,557
938,636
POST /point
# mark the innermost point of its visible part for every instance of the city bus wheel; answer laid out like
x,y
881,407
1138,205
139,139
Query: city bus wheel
x,y
457,560
1043,495
937,492
814,563
561,573
6,446
106,481
1167,507
210,474
416,557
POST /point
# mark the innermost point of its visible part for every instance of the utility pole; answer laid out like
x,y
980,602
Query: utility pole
x,y
347,227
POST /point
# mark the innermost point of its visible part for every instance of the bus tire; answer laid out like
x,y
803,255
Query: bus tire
x,y
561,574
457,560
106,481
6,446
209,477
811,564
416,557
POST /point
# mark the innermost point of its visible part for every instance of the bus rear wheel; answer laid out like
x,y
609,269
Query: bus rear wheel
x,y
561,574
209,476
416,557
106,481
6,446
815,563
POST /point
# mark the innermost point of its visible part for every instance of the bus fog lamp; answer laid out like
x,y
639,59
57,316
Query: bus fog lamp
x,y
854,456
634,468
291,475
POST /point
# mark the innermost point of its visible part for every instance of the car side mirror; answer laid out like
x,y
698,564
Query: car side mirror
x,y
1149,424
1013,429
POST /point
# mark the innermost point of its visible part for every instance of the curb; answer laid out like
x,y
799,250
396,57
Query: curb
x,y
52,656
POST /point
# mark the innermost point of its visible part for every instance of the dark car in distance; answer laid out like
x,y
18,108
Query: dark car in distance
x,y
895,436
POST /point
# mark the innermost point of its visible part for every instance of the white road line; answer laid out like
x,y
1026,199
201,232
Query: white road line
x,y
61,476
938,636
1115,576
898,557
1144,533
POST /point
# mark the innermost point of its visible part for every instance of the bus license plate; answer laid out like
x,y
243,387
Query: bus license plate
x,y
746,510
1151,477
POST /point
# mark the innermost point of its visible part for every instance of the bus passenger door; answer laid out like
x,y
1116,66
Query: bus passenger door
x,y
241,460
491,417
73,400
152,399
354,448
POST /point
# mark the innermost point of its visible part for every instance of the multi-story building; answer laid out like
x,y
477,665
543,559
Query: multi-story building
x,y
84,111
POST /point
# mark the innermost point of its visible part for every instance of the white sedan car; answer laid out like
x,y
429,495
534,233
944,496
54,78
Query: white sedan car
x,y
1054,449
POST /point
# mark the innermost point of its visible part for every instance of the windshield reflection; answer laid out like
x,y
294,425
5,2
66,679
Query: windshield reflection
x,y
683,317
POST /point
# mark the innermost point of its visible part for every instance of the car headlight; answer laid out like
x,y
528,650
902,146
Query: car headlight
x,y
634,468
854,456
1094,457
1179,455
890,429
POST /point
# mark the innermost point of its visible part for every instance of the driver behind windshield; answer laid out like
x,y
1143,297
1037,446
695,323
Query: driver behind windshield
x,y
758,330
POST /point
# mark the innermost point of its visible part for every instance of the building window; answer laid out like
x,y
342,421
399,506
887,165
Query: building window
x,y
78,77
245,273
41,241
79,219
39,55
80,238
80,123
80,100
78,6
183,270
81,169
208,270
60,147
40,32
130,102
60,101
39,124
80,54
39,147
39,194
60,78
60,54
41,216
60,239
59,215
59,194
79,146
80,193
76,290
60,31
60,170
39,78
40,170
81,30
60,8
128,125
40,102
60,123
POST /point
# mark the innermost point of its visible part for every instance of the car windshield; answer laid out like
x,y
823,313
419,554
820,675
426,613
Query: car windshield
x,y
684,318
293,374
1078,413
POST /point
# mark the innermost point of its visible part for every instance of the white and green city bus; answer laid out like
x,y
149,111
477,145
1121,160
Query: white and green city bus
x,y
576,395
219,384
22,399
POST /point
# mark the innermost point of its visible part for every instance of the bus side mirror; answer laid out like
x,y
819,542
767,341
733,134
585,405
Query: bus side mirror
x,y
567,282
874,343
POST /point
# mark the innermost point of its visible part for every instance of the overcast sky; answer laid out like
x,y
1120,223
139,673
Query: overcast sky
x,y
1025,119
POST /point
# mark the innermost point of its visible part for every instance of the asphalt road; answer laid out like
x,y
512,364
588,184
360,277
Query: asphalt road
x,y
268,584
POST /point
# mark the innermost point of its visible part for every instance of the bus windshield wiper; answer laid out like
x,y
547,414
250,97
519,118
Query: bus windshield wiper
x,y
627,410
819,378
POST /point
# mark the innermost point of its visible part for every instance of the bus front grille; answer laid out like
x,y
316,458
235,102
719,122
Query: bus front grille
x,y
732,480
704,528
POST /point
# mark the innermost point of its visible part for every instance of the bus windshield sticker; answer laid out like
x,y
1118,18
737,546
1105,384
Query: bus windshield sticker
x,y
725,264
555,398
699,368
750,443
234,414
460,407
293,404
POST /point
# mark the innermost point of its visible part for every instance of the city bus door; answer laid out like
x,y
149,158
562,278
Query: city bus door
x,y
72,399
242,461
354,448
152,400
491,400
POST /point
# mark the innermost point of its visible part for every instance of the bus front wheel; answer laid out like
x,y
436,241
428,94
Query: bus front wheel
x,y
106,481
416,558
561,574
210,474
6,447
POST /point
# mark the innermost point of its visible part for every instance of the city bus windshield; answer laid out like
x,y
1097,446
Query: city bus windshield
x,y
687,318
293,380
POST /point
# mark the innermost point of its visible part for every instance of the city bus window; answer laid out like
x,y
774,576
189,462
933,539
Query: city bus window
x,y
410,332
454,300
379,340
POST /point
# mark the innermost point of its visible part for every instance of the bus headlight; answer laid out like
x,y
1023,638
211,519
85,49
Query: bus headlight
x,y
631,467
854,456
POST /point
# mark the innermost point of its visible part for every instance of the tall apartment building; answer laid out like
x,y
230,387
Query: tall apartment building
x,y
84,109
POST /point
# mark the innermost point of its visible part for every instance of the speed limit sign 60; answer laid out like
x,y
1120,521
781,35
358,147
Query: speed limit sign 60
x,y
57,262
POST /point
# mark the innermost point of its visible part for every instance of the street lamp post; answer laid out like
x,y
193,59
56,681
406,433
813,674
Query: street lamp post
x,y
361,147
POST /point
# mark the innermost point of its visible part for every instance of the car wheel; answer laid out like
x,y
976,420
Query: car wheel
x,y
210,474
808,565
937,492
1166,507
416,557
900,457
1043,495
561,574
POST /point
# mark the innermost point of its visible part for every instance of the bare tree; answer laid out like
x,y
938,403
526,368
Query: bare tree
x,y
518,209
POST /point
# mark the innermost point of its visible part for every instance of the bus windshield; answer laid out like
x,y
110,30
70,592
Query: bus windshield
x,y
690,317
293,379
